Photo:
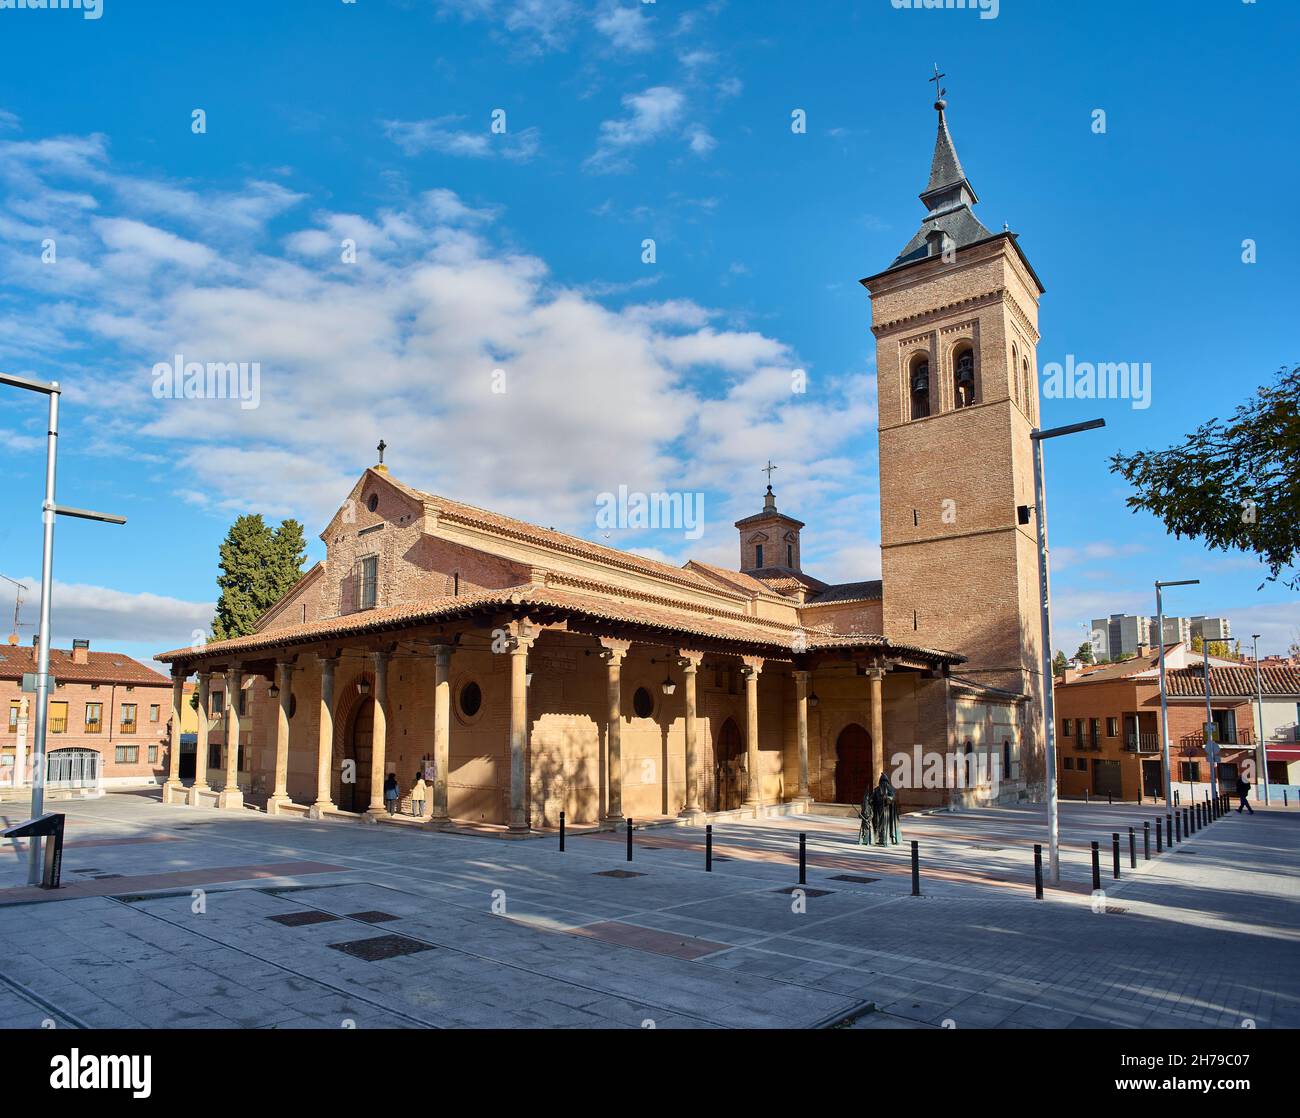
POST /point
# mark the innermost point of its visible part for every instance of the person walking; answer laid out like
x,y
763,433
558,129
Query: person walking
x,y
391,793
418,791
1243,790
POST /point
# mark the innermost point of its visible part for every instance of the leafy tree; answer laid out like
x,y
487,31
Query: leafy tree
x,y
1059,664
1084,653
258,566
1234,483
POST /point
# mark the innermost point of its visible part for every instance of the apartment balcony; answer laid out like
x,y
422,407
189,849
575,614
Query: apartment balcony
x,y
126,728
55,725
1142,743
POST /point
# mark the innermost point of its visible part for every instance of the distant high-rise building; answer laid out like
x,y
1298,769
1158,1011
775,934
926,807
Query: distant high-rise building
x,y
1176,629
1119,635
1211,628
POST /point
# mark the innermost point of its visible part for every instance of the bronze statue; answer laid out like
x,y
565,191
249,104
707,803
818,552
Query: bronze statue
x,y
884,813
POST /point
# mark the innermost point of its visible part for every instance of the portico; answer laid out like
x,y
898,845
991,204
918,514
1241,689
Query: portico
x,y
587,681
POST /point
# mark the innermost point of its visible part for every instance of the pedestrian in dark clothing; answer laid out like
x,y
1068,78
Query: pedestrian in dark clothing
x,y
1243,789
391,793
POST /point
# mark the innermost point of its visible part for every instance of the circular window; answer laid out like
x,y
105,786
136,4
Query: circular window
x,y
643,703
471,699
372,502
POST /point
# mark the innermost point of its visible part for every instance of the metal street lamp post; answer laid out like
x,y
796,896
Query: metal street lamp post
x,y
1259,706
1045,612
48,512
1164,705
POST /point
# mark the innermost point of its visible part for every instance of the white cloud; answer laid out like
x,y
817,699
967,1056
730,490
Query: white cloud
x,y
403,345
414,137
625,26
100,614
650,114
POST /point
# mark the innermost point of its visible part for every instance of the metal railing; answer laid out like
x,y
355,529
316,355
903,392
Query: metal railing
x,y
57,724
1142,743
126,728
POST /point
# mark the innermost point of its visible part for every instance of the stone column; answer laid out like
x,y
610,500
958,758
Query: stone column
x,y
173,786
201,740
519,820
283,681
325,742
231,796
801,679
613,652
877,677
690,665
753,666
379,739
441,803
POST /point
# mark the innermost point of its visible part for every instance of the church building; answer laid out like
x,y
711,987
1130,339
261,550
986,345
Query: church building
x,y
526,672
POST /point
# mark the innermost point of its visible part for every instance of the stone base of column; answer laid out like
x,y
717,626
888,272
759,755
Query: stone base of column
x,y
230,799
319,808
373,815
195,790
174,792
691,814
276,805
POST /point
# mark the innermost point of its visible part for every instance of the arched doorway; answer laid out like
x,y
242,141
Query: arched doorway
x,y
852,764
729,755
355,795
72,768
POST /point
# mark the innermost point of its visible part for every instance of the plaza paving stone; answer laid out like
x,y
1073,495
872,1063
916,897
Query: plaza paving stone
x,y
234,920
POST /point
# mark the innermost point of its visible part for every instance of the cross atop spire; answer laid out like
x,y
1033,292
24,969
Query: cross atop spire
x,y
768,470
383,446
939,91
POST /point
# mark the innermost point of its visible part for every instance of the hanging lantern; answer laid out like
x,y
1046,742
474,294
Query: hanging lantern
x,y
363,686
668,685
813,700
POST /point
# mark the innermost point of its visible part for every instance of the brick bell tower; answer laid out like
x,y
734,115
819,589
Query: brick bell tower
x,y
956,323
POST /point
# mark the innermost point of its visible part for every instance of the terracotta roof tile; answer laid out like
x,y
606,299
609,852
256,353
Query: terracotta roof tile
x,y
101,667
733,628
1234,682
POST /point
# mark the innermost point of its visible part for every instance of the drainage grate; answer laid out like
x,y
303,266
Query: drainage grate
x,y
1184,850
722,858
990,849
88,870
807,892
1111,910
618,873
105,876
381,947
299,919
855,879
372,916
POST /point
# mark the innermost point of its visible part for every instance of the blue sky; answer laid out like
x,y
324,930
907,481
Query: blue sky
x,y
522,250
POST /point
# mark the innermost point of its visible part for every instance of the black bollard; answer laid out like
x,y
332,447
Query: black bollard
x,y
561,832
629,840
1132,850
1114,850
1038,871
1087,795
1096,867
1160,837
916,868
1109,801
1146,840
708,848
1169,830
1178,826
1284,803
803,858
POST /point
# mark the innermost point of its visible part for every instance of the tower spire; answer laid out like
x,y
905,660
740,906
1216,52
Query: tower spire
x,y
948,196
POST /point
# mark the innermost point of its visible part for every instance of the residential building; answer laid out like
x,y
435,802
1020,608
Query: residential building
x,y
1108,726
1119,635
107,719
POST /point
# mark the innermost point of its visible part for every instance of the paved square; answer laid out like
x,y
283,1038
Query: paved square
x,y
199,918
